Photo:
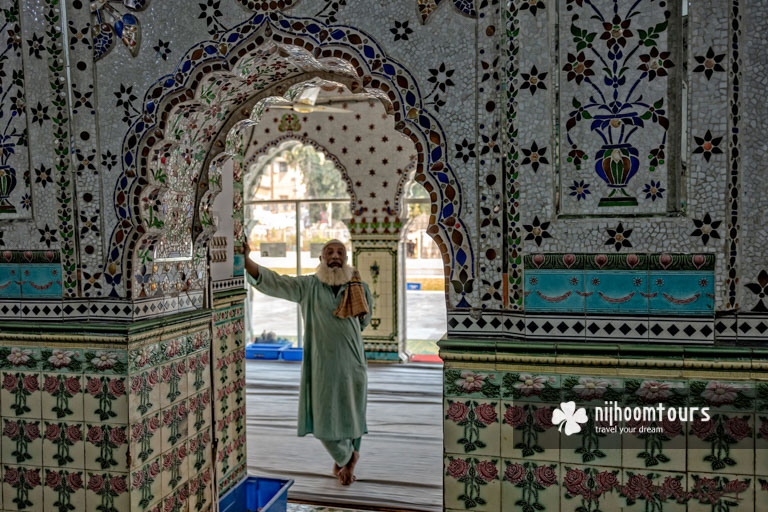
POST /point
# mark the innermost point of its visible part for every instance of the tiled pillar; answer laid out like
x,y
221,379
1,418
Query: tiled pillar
x,y
228,356
170,404
64,413
376,258
109,421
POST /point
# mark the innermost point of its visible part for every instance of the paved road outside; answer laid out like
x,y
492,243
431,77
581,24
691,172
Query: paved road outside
x,y
425,315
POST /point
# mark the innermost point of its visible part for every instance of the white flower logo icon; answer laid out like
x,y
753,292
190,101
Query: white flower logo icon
x,y
568,415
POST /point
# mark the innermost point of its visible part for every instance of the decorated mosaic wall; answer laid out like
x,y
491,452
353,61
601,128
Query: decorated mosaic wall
x,y
153,139
610,126
532,145
503,450
546,179
175,143
611,82
690,195
228,356
129,163
120,202
747,110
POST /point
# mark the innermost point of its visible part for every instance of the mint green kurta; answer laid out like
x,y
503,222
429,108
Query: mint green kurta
x,y
334,380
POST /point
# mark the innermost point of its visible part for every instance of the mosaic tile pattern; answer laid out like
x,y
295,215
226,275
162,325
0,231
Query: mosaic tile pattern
x,y
501,447
228,356
84,157
15,199
41,109
711,145
434,143
62,161
377,262
374,158
489,171
548,227
65,426
636,135
512,174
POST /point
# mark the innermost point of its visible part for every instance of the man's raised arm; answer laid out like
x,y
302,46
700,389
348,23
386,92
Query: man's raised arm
x,y
270,283
250,266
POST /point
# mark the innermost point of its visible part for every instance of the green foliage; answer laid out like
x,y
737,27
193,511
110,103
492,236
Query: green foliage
x,y
649,37
582,37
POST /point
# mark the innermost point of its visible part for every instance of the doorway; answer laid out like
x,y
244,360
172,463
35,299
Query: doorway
x,y
296,200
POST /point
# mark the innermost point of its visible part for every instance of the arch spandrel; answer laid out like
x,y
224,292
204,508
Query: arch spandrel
x,y
319,47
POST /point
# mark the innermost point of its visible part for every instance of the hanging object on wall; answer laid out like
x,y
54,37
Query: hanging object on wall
x,y
125,25
7,184
129,32
103,38
623,106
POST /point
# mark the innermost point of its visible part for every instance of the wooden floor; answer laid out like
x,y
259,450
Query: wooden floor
x,y
401,457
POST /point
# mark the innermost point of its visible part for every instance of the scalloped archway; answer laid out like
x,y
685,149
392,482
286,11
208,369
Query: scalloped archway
x,y
281,143
222,87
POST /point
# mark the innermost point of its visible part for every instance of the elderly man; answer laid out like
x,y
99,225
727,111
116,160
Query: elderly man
x,y
334,380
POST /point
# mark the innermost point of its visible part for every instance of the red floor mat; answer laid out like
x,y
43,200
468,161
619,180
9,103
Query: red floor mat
x,y
426,358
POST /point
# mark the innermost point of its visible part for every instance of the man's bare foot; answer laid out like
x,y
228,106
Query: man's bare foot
x,y
336,469
347,473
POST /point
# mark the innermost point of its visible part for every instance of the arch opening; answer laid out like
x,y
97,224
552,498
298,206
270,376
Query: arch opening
x,y
200,112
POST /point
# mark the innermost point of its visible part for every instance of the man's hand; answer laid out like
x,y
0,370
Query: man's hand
x,y
250,266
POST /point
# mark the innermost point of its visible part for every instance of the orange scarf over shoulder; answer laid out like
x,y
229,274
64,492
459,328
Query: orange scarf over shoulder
x,y
353,301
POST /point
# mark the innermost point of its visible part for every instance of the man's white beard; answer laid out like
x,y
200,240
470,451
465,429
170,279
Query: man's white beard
x,y
334,276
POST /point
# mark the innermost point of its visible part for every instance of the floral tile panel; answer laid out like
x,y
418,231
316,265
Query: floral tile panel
x,y
471,426
527,431
471,383
528,485
531,387
472,483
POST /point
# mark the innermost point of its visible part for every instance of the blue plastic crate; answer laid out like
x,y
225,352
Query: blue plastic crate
x,y
290,353
257,494
264,350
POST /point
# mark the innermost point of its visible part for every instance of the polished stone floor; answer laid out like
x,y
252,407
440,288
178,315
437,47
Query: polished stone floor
x,y
401,456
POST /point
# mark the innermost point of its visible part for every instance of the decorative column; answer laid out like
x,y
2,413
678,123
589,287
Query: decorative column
x,y
228,335
375,253
118,419
228,357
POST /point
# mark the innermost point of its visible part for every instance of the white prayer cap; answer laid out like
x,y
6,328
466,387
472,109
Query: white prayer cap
x,y
334,241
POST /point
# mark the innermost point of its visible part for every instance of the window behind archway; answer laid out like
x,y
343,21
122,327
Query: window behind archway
x,y
296,200
425,311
